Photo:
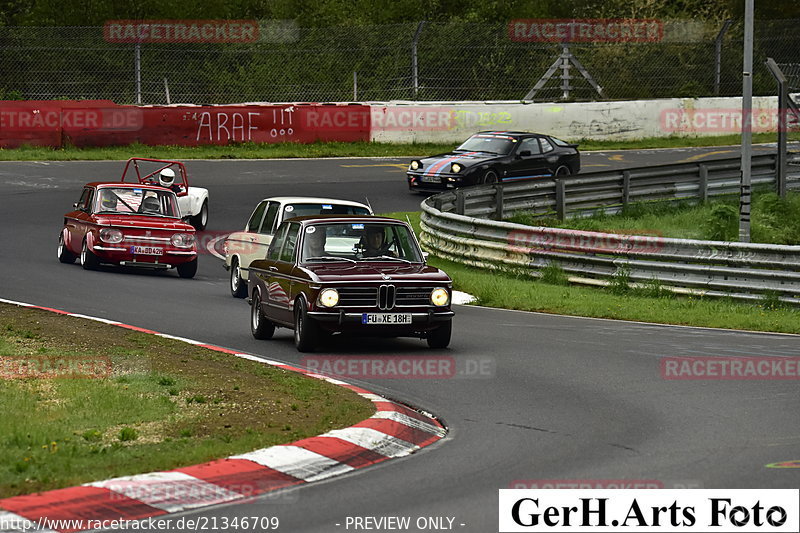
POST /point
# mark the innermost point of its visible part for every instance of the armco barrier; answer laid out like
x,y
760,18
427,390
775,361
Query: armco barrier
x,y
103,123
455,226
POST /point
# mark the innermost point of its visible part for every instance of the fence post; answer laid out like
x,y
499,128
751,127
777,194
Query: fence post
x,y
703,185
137,59
718,54
415,59
561,199
498,201
626,188
460,202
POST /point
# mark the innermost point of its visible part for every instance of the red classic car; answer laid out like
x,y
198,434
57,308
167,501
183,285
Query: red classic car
x,y
351,274
128,224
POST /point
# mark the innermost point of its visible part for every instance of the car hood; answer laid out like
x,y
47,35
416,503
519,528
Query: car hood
x,y
383,271
142,221
442,162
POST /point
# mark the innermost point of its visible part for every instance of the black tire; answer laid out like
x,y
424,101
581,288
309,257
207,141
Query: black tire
x,y
440,337
237,284
306,331
561,171
89,261
260,326
188,270
64,255
490,177
200,220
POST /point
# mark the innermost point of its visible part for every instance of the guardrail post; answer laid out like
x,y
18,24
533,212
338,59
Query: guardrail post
x,y
561,199
703,185
459,202
437,203
498,201
626,188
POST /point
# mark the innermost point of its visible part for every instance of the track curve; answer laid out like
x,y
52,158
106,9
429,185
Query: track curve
x,y
559,398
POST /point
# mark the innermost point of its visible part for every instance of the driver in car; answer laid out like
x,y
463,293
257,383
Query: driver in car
x,y
376,244
314,245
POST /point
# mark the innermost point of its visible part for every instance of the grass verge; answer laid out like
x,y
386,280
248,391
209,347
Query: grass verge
x,y
140,403
330,149
509,290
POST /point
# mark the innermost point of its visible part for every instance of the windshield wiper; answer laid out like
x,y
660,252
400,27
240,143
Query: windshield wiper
x,y
329,258
386,257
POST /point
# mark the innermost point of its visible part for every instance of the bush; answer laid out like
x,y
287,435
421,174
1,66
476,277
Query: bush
x,y
553,274
723,223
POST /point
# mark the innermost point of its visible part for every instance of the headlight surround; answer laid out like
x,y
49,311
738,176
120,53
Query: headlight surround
x,y
455,168
415,165
329,297
440,297
111,235
182,240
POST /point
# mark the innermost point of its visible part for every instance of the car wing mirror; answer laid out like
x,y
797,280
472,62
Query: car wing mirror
x,y
75,205
525,153
425,256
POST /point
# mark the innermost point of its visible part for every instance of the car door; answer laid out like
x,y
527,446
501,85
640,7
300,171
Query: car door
x,y
255,242
277,276
528,161
77,222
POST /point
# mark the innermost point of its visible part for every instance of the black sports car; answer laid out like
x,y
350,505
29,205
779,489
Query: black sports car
x,y
495,156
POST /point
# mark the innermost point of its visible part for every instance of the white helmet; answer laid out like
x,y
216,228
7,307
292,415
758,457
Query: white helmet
x,y
166,178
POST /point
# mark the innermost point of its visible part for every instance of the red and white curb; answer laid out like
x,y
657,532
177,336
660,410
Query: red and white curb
x,y
393,431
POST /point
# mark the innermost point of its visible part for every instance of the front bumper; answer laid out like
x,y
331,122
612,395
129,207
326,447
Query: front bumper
x,y
445,182
109,253
350,322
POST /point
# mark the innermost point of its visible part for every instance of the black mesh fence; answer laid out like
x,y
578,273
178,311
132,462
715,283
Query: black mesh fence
x,y
443,61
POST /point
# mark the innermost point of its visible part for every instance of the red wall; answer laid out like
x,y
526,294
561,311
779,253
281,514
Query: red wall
x,y
103,123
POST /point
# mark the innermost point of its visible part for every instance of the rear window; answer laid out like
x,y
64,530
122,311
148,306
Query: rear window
x,y
559,142
301,210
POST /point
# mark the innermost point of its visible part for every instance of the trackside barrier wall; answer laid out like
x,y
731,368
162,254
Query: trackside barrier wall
x,y
103,123
456,225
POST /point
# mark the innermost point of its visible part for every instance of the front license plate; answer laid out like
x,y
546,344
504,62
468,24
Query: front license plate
x,y
148,250
430,179
385,318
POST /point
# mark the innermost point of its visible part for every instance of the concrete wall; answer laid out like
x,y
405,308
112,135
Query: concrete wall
x,y
453,121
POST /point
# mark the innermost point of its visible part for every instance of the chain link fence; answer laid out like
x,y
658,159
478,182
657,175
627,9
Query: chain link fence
x,y
426,62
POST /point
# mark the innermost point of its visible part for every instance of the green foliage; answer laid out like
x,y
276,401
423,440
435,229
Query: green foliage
x,y
723,223
554,274
621,280
128,434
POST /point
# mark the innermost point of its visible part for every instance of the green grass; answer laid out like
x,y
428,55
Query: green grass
x,y
164,404
329,149
774,220
650,303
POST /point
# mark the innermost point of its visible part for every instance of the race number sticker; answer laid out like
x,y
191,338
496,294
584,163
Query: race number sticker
x,y
310,229
289,208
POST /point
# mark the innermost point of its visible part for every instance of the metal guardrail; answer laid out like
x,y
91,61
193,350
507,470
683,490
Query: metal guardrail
x,y
456,225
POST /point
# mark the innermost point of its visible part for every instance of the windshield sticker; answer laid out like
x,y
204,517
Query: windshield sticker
x,y
137,191
310,229
327,206
358,226
289,208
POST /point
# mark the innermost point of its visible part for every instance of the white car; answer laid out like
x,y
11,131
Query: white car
x,y
244,247
192,201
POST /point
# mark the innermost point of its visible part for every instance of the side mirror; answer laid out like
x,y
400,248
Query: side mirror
x,y
425,256
75,205
525,153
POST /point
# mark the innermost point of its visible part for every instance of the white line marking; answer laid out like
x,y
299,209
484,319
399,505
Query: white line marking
x,y
297,462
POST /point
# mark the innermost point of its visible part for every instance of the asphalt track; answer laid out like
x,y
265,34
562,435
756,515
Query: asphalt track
x,y
548,398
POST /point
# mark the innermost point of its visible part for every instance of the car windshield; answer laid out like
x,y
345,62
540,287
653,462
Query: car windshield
x,y
493,144
359,241
306,209
137,201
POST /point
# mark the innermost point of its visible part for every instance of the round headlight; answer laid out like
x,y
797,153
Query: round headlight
x,y
456,168
111,235
415,165
182,240
329,297
440,297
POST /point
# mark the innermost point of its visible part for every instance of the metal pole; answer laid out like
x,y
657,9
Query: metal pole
x,y
138,68
747,123
718,55
166,91
415,59
783,105
355,86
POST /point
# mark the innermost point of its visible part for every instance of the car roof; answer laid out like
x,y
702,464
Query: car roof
x,y
512,133
311,219
129,185
312,199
